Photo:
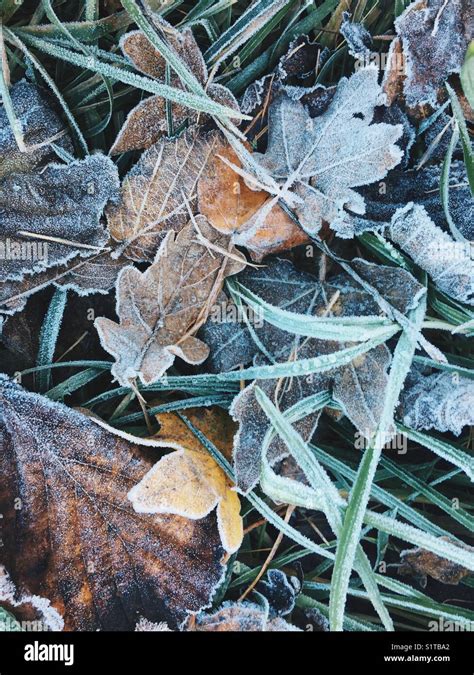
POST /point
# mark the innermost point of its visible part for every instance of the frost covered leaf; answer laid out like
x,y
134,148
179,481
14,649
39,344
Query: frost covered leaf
x,y
422,187
96,274
161,308
189,482
441,401
421,563
358,38
360,386
60,202
154,193
448,262
232,207
77,540
318,161
147,122
280,591
40,125
242,617
434,36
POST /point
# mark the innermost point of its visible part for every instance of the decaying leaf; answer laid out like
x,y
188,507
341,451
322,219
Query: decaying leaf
x,y
358,38
77,540
242,617
441,401
189,482
40,126
147,122
161,308
53,216
434,36
337,151
156,192
231,207
280,591
421,563
422,187
96,274
447,261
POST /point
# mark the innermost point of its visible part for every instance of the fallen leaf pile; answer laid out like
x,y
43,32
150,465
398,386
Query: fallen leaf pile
x,y
271,238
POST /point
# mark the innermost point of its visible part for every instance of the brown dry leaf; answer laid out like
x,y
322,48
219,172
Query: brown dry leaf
x,y
423,563
97,274
441,29
161,308
147,122
231,207
189,482
155,192
242,617
70,535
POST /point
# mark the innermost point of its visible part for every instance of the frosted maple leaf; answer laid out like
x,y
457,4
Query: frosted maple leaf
x,y
317,161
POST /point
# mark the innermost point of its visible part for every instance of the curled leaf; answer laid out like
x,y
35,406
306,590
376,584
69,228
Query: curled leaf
x,y
447,261
40,126
417,561
242,617
442,401
189,482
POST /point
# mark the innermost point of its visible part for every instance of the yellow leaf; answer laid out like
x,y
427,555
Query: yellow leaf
x,y
189,482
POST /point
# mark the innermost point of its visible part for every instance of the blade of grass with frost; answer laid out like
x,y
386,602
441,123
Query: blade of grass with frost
x,y
252,20
421,539
465,139
187,99
380,494
339,329
73,383
258,503
434,496
196,402
424,606
360,493
444,184
441,448
356,625
13,39
48,338
15,123
323,488
467,75
91,9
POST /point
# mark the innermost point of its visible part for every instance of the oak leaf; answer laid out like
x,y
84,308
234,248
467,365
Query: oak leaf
x,y
189,482
160,309
77,540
